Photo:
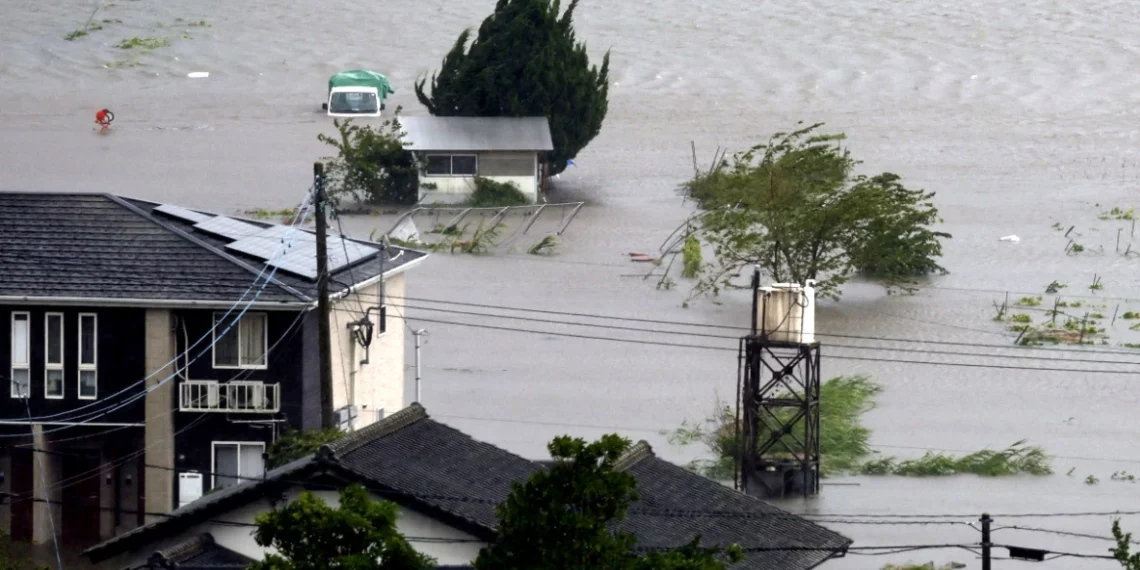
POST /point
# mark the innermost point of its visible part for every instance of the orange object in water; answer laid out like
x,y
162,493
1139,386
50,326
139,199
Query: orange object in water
x,y
103,118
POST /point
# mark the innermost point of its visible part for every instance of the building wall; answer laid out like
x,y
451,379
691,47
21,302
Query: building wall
x,y
497,166
197,431
119,362
379,384
240,538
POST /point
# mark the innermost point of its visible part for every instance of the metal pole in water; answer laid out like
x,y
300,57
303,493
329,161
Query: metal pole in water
x,y
986,544
418,334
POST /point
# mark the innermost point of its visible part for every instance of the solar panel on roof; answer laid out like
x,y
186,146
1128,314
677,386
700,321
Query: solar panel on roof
x,y
228,227
181,213
302,257
272,242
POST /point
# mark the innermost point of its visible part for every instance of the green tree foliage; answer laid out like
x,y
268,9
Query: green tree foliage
x,y
561,518
371,164
795,207
295,444
691,256
360,534
1128,560
525,61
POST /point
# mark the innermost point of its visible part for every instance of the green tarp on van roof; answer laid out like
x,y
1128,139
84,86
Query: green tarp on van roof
x,y
362,78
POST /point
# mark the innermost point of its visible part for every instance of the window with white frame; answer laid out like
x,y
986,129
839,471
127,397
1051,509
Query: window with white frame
x,y
21,355
452,165
237,461
88,356
53,355
243,345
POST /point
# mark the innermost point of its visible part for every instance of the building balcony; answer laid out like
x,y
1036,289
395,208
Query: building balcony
x,y
229,397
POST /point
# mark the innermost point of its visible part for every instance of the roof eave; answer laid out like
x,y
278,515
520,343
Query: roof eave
x,y
146,303
399,269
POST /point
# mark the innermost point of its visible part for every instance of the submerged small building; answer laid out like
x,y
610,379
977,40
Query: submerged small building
x,y
456,150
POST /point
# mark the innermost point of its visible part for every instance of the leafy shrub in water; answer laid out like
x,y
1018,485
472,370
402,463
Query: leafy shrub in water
x,y
691,255
371,164
490,193
1015,460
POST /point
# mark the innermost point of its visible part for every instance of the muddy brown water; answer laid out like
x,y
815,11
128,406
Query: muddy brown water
x,y
1018,114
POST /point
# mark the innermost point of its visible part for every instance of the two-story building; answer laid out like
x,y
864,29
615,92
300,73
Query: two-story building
x,y
151,353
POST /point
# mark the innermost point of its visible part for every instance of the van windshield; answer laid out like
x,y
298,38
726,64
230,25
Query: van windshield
x,y
355,103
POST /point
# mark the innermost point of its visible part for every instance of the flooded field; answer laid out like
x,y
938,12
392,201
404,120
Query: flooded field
x,y
1020,115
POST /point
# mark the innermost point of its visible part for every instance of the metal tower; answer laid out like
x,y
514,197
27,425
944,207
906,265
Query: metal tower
x,y
778,406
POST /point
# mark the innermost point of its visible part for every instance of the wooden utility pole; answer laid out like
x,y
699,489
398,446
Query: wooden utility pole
x,y
986,544
324,335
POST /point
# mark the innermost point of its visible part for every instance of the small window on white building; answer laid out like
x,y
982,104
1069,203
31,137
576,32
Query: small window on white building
x,y
452,165
237,462
53,355
243,345
21,357
88,356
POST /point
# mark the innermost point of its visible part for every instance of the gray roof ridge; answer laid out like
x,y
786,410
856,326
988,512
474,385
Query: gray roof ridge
x,y
640,450
123,203
183,549
389,425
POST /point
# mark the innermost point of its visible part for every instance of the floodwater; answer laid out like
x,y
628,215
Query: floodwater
x,y
1018,114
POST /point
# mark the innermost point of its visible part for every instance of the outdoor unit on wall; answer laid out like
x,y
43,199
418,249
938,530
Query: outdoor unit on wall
x,y
189,488
786,312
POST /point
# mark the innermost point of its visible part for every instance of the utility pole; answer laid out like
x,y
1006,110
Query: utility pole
x,y
986,544
418,333
324,335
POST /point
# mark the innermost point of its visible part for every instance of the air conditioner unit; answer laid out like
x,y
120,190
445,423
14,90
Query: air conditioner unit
x,y
189,488
786,312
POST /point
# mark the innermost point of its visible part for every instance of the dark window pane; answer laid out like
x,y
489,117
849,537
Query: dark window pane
x,y
54,387
55,339
87,339
87,386
438,165
225,465
463,164
226,347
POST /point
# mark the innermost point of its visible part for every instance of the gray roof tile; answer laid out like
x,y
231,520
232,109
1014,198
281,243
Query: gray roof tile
x,y
103,247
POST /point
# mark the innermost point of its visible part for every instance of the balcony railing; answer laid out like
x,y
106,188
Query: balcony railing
x,y
229,397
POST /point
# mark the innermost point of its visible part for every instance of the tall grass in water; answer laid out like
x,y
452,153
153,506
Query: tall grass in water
x,y
1016,459
845,443
843,439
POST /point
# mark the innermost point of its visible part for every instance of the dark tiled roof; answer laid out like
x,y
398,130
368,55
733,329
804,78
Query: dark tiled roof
x,y
199,553
100,246
667,492
422,464
438,465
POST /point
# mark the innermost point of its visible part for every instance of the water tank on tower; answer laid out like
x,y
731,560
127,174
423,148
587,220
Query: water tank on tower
x,y
785,312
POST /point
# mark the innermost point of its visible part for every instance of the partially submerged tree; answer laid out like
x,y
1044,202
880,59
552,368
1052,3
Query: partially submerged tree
x,y
560,519
525,61
796,208
360,534
1128,560
371,164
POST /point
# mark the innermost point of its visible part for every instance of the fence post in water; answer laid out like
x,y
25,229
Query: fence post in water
x,y
1056,303
986,544
1114,312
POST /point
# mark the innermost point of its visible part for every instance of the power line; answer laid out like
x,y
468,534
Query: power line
x,y
745,330
727,349
846,346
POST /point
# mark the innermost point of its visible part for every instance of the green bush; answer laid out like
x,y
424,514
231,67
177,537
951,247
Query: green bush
x,y
371,164
491,194
691,255
297,444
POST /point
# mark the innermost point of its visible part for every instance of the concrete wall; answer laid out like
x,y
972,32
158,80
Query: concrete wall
x,y
497,166
47,516
159,438
378,385
240,538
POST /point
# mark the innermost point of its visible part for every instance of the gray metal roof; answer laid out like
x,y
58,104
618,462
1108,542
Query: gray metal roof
x,y
477,133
